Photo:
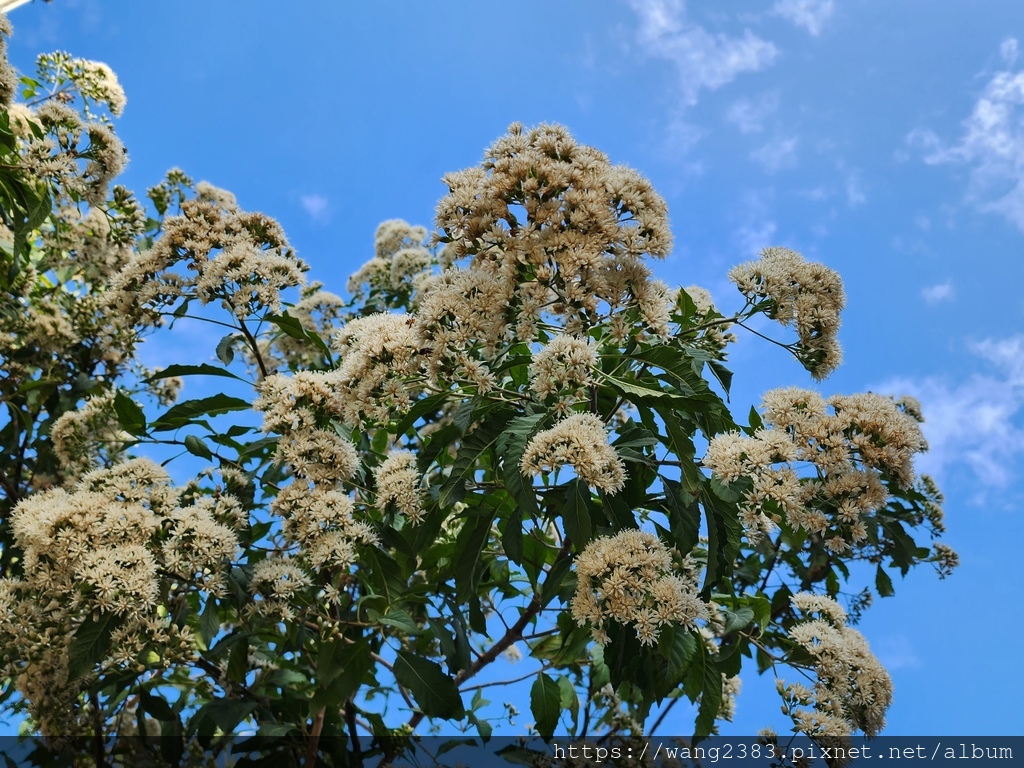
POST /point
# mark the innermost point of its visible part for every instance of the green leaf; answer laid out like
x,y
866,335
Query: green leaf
x,y
434,691
401,620
570,701
576,514
90,644
292,327
723,374
183,413
546,705
469,547
197,447
209,622
679,653
129,415
156,706
340,669
683,516
192,370
706,677
480,440
633,390
737,620
226,349
883,583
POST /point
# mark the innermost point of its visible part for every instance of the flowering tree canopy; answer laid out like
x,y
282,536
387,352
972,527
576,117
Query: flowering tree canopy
x,y
511,438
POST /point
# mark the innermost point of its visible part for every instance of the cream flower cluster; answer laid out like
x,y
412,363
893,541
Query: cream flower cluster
x,y
852,691
81,438
121,543
400,261
630,578
379,355
239,259
854,442
93,80
398,480
804,294
563,366
78,158
560,228
581,442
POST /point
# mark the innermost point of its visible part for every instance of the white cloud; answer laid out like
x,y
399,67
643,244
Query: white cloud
x,y
749,116
705,60
776,155
976,424
855,190
1008,51
896,652
809,14
991,145
316,206
757,230
934,294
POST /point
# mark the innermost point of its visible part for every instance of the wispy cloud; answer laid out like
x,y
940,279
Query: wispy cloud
x,y
749,115
757,229
777,154
977,423
317,206
935,294
991,145
855,194
812,15
704,60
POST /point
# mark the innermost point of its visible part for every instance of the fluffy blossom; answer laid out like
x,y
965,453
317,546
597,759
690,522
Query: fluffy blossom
x,y
564,364
120,542
804,294
855,442
581,442
852,690
379,355
545,216
629,578
398,480
241,260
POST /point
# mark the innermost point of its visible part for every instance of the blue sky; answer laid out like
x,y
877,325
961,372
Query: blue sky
x,y
884,139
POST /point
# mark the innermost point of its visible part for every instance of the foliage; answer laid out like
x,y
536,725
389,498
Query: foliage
x,y
511,438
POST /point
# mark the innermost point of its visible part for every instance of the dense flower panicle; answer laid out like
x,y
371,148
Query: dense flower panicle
x,y
854,442
78,158
94,80
399,480
380,361
400,261
322,523
81,438
581,442
240,259
806,295
852,691
8,76
630,578
121,541
564,365
543,209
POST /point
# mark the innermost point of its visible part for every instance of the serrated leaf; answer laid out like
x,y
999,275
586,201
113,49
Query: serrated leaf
x,y
546,705
434,691
90,644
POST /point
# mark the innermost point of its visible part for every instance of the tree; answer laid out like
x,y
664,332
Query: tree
x,y
511,435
